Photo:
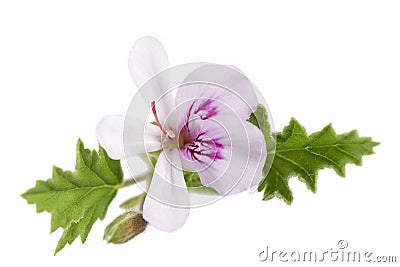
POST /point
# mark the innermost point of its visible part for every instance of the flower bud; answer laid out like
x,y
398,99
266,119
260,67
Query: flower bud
x,y
124,228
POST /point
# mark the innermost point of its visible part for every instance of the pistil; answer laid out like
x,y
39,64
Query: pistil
x,y
168,133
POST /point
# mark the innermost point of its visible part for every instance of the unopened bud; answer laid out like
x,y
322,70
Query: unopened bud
x,y
124,228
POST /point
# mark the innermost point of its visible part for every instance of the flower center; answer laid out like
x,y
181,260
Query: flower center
x,y
184,137
167,132
199,147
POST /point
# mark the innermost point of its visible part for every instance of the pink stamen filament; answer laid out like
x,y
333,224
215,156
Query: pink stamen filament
x,y
153,108
169,133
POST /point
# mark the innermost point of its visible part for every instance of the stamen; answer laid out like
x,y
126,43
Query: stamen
x,y
170,133
153,108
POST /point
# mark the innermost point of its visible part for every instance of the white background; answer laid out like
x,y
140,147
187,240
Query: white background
x,y
63,66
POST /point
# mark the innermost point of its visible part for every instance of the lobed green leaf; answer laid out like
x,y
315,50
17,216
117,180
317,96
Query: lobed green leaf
x,y
302,155
77,199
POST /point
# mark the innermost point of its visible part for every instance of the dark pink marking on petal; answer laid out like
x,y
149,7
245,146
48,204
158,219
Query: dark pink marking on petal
x,y
206,109
196,147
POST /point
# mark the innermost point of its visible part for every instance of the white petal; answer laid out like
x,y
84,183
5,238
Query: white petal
x,y
235,68
253,152
166,206
256,160
147,58
109,133
138,137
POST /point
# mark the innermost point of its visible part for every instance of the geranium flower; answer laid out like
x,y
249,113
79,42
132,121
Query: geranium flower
x,y
201,127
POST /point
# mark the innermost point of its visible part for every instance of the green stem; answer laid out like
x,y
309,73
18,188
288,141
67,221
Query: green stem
x,y
138,178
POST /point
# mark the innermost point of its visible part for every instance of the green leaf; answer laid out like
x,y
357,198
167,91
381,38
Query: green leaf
x,y
194,184
259,118
133,202
77,199
192,179
153,157
302,155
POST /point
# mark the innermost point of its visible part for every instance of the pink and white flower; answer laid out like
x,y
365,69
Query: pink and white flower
x,y
201,127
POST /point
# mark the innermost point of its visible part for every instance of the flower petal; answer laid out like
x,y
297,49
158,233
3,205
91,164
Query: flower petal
x,y
250,175
237,160
140,137
147,58
256,160
110,134
166,206
211,84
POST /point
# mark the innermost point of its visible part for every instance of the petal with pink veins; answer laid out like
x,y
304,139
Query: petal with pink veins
x,y
236,160
223,84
